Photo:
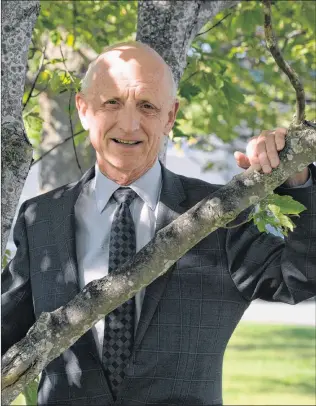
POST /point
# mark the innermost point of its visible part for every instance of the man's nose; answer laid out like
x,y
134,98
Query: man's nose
x,y
129,119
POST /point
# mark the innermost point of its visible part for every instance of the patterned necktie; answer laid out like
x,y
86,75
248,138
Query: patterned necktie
x,y
119,324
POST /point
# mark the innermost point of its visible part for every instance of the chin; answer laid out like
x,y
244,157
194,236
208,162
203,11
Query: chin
x,y
125,164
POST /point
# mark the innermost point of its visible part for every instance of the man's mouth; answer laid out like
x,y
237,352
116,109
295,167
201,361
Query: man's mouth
x,y
120,141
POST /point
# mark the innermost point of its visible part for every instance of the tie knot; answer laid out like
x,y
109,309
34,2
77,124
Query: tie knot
x,y
124,195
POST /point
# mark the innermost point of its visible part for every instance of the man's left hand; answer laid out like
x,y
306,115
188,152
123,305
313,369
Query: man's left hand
x,y
262,154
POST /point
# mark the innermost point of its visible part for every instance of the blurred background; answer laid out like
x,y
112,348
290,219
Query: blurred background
x,y
230,91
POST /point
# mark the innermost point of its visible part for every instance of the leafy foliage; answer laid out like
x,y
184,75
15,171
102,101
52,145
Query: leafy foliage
x,y
231,80
275,210
77,25
6,258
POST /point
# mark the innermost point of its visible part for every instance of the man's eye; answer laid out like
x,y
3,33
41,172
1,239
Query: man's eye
x,y
111,101
148,106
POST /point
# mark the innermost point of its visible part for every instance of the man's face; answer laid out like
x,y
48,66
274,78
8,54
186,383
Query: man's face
x,y
128,100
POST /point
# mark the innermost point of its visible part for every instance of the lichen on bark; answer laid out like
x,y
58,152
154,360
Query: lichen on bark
x,y
18,19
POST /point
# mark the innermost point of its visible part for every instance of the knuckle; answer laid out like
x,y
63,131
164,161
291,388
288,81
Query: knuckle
x,y
261,142
263,156
281,130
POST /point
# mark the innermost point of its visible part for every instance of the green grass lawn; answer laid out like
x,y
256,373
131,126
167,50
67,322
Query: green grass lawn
x,y
264,365
270,365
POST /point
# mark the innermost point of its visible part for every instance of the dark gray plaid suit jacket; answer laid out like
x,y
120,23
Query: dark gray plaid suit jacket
x,y
188,314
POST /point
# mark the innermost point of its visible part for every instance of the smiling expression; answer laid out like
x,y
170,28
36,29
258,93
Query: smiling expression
x,y
129,99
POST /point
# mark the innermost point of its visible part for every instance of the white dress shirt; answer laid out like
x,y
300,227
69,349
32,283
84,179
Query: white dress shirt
x,y
94,216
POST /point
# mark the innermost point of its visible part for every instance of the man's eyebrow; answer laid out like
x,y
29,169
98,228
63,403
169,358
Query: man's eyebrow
x,y
141,99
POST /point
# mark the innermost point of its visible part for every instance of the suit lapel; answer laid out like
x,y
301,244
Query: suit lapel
x,y
172,194
63,220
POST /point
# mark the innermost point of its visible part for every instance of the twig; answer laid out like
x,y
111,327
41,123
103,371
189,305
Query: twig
x,y
64,63
41,91
291,35
74,19
190,76
215,25
72,132
56,146
36,78
277,55
249,218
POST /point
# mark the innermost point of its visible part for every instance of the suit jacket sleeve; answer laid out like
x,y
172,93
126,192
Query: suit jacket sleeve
x,y
17,314
272,268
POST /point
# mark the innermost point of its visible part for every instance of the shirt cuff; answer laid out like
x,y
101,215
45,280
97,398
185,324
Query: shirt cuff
x,y
308,183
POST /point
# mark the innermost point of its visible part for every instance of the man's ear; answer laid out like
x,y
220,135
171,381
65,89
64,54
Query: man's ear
x,y
172,116
81,105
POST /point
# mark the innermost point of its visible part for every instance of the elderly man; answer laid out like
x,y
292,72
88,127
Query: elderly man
x,y
164,346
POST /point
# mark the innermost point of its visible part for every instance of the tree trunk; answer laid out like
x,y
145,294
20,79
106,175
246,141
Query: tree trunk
x,y
54,332
18,19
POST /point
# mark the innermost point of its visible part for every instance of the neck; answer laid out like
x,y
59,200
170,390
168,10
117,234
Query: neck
x,y
121,177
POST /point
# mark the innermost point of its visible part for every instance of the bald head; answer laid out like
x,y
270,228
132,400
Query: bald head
x,y
116,56
128,103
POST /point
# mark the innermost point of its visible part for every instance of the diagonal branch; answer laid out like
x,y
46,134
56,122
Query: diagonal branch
x,y
215,25
273,47
56,146
56,331
36,78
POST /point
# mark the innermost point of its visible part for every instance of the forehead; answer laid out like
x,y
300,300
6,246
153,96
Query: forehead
x,y
113,72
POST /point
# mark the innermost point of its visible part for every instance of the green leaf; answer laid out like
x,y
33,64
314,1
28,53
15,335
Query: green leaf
x,y
70,40
274,209
54,61
6,258
232,93
286,222
55,83
286,204
188,90
80,138
216,81
55,37
260,223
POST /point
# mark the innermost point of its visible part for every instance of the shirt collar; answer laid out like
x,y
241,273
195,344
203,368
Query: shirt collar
x,y
147,187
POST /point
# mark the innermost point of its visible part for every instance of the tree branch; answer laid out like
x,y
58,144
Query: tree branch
x,y
285,67
74,19
215,25
69,112
56,146
56,331
64,63
36,78
72,133
293,34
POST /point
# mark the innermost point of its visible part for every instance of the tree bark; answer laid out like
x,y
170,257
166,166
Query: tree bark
x,y
18,19
54,332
